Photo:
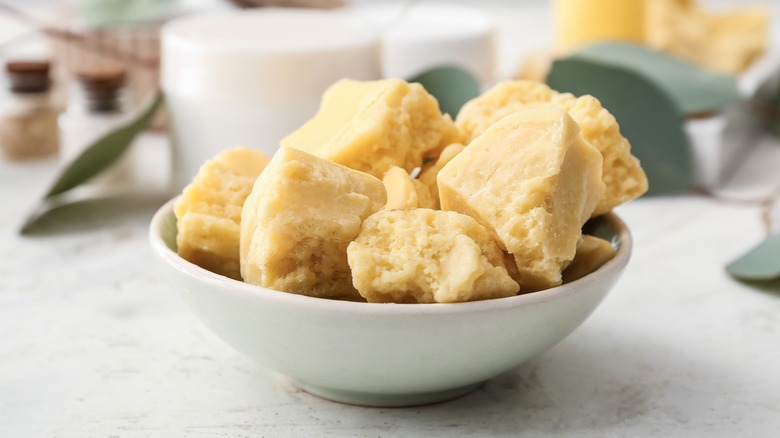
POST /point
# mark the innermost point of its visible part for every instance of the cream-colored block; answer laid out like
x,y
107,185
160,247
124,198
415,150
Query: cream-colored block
x,y
429,173
580,23
297,222
592,253
675,26
375,125
425,198
208,213
737,39
622,173
504,98
536,65
728,41
401,192
427,256
533,181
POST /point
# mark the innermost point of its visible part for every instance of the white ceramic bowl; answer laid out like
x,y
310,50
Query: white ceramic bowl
x,y
386,354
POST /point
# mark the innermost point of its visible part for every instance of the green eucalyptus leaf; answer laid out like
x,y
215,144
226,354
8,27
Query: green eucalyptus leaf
x,y
98,13
452,87
91,162
88,207
105,151
693,89
648,117
761,263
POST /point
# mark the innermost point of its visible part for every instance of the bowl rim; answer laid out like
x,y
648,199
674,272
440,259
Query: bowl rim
x,y
246,290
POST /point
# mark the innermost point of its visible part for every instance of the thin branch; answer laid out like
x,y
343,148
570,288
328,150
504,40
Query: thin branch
x,y
767,204
79,39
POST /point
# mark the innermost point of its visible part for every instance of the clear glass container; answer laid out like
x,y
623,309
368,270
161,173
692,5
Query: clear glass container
x,y
28,116
97,105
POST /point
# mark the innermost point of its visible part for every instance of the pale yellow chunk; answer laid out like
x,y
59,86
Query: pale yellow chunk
x,y
536,65
580,23
401,192
622,174
208,213
728,41
533,181
425,198
738,39
297,222
428,175
504,98
373,126
592,253
677,27
427,256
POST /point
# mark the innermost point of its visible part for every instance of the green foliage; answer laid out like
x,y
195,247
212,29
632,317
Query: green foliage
x,y
693,90
650,93
647,117
452,86
104,152
94,160
761,263
98,13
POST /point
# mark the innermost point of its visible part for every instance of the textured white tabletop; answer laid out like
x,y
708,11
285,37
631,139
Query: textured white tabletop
x,y
94,344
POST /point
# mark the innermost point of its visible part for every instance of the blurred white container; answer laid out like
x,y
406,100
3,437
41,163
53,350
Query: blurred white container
x,y
720,143
418,37
250,78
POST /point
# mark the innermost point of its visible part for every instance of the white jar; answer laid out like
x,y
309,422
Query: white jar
x,y
250,78
417,37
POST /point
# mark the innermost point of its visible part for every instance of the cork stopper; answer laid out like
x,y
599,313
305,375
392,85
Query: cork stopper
x,y
103,88
28,76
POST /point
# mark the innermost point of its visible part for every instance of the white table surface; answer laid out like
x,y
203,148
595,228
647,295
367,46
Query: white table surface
x,y
93,343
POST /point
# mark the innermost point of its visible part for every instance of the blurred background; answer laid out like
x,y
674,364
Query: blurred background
x,y
522,27
106,54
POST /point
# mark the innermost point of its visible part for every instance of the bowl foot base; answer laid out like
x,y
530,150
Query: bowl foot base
x,y
386,400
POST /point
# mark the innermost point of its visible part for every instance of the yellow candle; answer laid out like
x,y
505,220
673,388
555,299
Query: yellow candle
x,y
581,22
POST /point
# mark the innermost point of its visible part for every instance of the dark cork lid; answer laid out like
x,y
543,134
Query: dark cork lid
x,y
102,88
28,76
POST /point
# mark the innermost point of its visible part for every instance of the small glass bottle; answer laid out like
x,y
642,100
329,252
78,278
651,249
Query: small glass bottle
x,y
96,106
28,118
